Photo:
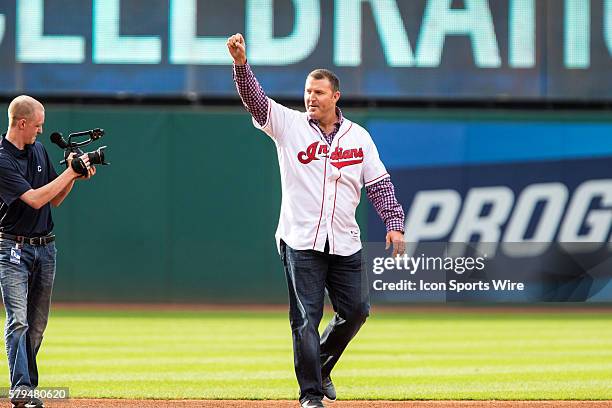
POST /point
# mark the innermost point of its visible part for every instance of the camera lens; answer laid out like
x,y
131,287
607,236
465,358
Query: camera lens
x,y
97,156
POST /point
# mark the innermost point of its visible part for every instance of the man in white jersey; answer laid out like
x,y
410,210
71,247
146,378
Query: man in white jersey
x,y
325,160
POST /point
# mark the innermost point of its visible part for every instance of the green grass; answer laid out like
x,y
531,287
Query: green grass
x,y
232,355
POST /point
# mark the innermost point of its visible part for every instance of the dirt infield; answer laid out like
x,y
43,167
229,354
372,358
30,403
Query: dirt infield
x,y
91,403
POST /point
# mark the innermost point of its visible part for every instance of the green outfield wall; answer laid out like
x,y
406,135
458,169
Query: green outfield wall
x,y
188,208
186,211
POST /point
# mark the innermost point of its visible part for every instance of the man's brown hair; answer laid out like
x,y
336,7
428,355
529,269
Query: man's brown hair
x,y
322,73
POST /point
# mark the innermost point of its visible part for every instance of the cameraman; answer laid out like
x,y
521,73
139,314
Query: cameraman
x,y
28,184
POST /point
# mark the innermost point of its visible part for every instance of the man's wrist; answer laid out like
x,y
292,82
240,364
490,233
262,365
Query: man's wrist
x,y
73,175
395,225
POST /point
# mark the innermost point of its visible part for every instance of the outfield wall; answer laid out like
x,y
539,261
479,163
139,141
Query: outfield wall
x,y
188,208
185,212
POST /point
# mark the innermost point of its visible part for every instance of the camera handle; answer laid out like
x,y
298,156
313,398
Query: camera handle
x,y
78,165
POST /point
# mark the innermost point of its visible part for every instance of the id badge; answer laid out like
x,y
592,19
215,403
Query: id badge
x,y
16,255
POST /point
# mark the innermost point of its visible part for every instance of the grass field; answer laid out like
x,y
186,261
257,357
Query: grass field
x,y
408,355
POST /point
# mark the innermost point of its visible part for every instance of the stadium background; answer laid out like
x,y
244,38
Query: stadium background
x,y
456,94
460,96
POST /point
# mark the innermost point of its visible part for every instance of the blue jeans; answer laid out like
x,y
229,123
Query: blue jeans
x,y
309,274
26,293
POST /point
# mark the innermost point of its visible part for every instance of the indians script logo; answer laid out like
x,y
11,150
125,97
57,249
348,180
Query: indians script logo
x,y
339,158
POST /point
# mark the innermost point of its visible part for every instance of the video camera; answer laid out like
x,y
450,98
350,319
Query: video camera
x,y
95,157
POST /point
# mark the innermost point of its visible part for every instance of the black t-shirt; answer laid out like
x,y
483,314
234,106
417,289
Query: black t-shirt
x,y
20,171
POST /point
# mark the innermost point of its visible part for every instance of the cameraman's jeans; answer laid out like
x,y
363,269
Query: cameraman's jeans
x,y
26,293
309,273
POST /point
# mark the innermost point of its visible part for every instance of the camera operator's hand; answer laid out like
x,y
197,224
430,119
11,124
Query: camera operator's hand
x,y
90,172
69,168
69,159
85,159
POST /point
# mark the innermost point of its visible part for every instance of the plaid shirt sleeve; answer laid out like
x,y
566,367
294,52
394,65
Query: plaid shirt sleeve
x,y
382,196
252,94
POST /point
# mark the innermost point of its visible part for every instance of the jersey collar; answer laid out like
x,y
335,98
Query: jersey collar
x,y
14,151
337,126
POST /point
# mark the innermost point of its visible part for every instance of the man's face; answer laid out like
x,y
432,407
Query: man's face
x,y
319,98
32,127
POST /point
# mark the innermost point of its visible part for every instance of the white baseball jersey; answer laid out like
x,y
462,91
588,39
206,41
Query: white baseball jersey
x,y
321,184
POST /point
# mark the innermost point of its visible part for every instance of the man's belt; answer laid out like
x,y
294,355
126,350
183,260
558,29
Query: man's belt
x,y
38,241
